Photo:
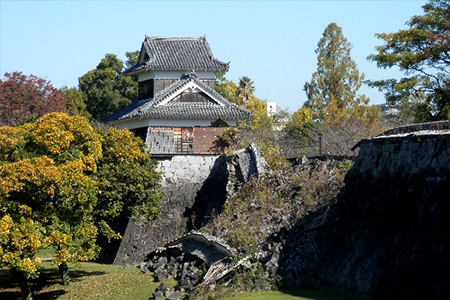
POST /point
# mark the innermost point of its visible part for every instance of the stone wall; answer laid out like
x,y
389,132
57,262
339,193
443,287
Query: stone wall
x,y
387,235
195,187
185,179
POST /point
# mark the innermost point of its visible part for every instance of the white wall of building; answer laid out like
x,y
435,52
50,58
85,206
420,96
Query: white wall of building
x,y
173,75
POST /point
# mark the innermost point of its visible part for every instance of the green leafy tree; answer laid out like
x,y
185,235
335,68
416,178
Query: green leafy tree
x,y
258,130
302,135
132,58
422,52
61,184
227,89
105,91
126,178
297,133
300,122
75,105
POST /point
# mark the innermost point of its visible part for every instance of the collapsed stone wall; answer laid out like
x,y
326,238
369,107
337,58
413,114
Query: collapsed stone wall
x,y
195,187
387,235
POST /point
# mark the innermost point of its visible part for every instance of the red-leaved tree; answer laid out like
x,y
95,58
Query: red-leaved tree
x,y
27,97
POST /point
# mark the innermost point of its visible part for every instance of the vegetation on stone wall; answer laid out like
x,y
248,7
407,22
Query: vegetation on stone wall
x,y
253,219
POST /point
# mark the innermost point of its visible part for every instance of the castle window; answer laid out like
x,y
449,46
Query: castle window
x,y
140,132
145,89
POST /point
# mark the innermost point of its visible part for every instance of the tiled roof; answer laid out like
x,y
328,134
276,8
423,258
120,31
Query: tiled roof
x,y
154,108
195,110
177,54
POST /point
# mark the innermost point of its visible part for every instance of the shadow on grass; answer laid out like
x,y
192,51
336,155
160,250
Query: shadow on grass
x,y
48,277
317,295
50,295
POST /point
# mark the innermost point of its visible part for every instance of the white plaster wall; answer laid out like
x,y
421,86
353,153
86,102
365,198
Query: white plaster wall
x,y
173,74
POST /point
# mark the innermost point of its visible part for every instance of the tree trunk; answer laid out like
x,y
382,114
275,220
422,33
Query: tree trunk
x,y
25,288
64,272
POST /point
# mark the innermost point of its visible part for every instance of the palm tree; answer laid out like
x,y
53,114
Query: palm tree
x,y
245,89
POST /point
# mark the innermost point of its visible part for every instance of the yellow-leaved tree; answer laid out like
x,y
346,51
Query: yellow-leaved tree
x,y
61,183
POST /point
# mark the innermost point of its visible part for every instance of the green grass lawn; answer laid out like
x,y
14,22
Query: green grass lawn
x,y
112,282
91,281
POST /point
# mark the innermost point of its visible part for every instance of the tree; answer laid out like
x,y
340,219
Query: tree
x,y
227,89
27,97
422,52
61,184
105,91
245,89
332,91
126,178
75,105
297,133
259,129
132,58
19,239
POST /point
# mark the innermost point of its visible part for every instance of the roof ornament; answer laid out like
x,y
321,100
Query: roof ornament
x,y
190,75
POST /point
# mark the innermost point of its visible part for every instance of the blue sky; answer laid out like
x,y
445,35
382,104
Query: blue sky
x,y
272,42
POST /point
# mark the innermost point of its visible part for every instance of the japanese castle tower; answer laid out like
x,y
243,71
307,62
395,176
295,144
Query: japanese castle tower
x,y
177,110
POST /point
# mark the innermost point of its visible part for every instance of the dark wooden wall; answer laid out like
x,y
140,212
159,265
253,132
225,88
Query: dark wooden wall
x,y
183,140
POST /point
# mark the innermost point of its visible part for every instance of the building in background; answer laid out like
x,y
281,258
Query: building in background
x,y
271,108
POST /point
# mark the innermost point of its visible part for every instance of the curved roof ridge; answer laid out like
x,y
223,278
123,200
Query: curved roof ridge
x,y
178,54
174,38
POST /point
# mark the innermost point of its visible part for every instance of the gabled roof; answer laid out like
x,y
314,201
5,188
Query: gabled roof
x,y
176,54
161,106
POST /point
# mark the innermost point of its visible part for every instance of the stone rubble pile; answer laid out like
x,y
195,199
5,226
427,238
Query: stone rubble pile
x,y
185,268
187,260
